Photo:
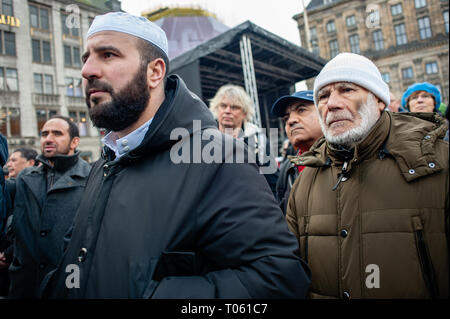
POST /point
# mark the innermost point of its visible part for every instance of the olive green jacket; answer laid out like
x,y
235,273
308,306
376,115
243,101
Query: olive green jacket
x,y
381,230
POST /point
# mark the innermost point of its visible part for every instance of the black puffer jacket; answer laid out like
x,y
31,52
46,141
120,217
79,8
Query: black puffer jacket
x,y
150,228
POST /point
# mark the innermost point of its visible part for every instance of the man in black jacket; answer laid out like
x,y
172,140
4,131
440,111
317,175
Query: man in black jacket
x,y
159,219
45,202
301,123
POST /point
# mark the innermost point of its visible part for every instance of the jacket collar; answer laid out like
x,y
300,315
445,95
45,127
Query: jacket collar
x,y
33,176
367,147
61,163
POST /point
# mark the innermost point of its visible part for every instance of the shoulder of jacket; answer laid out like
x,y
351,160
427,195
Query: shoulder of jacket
x,y
414,141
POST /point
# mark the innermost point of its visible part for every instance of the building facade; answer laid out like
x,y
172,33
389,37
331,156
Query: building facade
x,y
407,39
41,43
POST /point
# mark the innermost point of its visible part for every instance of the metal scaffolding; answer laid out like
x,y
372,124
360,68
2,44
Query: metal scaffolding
x,y
249,75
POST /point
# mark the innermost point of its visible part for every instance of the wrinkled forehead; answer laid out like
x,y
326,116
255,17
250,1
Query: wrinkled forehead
x,y
296,105
338,85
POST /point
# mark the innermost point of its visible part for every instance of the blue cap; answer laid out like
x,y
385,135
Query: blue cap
x,y
124,22
425,86
279,107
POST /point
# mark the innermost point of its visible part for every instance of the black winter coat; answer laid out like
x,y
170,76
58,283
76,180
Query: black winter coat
x,y
151,228
41,217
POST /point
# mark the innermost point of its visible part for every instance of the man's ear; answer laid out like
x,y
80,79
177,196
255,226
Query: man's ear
x,y
381,105
74,143
156,70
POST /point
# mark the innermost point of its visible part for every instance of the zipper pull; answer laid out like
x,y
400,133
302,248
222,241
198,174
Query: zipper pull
x,y
342,177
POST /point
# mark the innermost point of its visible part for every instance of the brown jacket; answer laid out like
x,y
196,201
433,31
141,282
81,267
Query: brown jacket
x,y
386,222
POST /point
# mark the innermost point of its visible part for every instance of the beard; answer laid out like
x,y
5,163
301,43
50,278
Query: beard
x,y
368,112
125,107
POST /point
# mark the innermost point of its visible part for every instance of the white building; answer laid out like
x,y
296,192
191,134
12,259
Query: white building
x,y
41,43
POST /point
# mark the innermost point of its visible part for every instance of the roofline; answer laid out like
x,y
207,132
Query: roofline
x,y
224,39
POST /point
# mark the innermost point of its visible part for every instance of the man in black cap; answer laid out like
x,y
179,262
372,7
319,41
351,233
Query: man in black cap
x,y
302,127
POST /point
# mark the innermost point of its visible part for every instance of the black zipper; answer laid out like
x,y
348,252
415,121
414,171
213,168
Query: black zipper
x,y
425,259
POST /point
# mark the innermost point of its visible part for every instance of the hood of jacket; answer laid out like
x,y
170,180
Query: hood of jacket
x,y
409,138
180,109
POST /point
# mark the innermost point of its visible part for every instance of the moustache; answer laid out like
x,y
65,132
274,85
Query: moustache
x,y
343,115
296,126
96,84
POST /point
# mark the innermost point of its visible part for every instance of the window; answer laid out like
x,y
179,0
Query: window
x,y
315,47
74,87
8,79
424,28
43,115
43,83
6,8
386,77
396,9
41,51
313,33
445,14
72,56
48,84
38,84
400,34
420,3
331,27
73,31
374,17
39,17
431,68
334,48
10,43
7,43
10,121
80,118
407,73
378,40
354,43
350,21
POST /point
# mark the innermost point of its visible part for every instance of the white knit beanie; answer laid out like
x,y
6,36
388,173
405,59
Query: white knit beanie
x,y
351,67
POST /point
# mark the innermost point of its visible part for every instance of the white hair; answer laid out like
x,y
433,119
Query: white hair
x,y
238,95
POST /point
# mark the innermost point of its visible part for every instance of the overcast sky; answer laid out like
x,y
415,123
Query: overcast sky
x,y
272,15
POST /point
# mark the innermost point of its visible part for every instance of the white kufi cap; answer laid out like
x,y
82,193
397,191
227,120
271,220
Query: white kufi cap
x,y
124,22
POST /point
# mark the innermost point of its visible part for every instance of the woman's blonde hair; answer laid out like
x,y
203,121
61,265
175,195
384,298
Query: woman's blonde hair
x,y
236,94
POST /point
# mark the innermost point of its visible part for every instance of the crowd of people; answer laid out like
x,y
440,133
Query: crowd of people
x,y
359,207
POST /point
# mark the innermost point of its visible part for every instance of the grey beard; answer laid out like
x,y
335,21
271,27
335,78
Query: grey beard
x,y
369,116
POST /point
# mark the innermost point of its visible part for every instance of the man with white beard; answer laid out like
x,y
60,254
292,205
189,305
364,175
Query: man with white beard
x,y
370,210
